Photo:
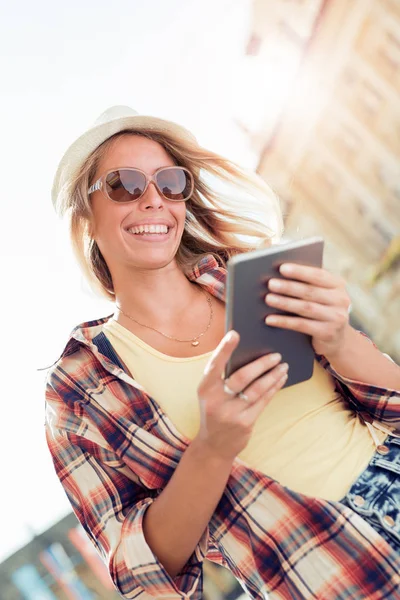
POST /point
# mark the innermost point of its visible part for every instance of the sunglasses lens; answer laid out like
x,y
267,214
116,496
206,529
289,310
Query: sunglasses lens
x,y
175,183
125,185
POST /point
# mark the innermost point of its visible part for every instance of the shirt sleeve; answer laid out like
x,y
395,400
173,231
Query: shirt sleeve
x,y
110,504
372,401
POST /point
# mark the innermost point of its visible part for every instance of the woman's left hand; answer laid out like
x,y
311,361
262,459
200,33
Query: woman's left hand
x,y
321,302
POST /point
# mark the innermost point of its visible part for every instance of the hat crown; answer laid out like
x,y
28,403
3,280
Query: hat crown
x,y
115,112
111,121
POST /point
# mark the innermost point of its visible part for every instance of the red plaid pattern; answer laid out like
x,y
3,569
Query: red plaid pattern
x,y
114,450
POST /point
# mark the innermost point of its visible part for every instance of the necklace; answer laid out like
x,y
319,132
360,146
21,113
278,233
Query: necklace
x,y
194,341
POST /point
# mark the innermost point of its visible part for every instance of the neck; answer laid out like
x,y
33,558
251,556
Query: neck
x,y
155,297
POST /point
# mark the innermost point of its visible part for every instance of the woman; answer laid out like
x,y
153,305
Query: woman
x,y
163,461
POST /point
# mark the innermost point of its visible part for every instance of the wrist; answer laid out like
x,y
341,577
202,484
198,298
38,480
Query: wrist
x,y
203,452
345,346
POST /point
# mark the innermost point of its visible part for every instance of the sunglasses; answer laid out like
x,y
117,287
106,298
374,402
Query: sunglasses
x,y
129,184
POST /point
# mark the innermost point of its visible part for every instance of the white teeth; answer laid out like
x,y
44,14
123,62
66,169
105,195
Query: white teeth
x,y
149,229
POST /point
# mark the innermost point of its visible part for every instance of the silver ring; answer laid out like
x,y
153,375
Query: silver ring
x,y
228,390
244,397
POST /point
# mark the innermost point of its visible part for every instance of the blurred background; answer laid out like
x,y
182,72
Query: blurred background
x,y
306,92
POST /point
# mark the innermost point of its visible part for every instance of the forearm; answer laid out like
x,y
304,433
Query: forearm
x,y
175,522
358,359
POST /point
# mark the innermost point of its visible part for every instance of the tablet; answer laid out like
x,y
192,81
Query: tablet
x,y
246,288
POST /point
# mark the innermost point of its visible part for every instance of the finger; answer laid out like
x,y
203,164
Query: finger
x,y
308,292
244,376
262,385
305,308
314,275
252,411
320,329
219,358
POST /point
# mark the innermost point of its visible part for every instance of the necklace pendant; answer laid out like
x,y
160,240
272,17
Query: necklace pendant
x,y
196,343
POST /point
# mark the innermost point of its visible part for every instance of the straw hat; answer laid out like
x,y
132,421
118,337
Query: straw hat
x,y
111,121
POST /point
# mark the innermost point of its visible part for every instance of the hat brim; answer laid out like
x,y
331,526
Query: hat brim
x,y
83,147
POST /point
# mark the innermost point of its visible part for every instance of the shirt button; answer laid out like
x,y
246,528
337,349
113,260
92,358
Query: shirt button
x,y
389,520
382,450
358,500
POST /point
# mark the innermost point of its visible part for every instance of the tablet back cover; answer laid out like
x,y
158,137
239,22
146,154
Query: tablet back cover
x,y
247,279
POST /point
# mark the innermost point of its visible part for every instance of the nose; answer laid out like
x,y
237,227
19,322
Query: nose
x,y
151,198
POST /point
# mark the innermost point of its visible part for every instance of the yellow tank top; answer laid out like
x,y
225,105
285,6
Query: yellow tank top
x,y
307,438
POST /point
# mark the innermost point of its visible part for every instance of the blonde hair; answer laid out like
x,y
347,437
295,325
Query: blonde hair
x,y
219,223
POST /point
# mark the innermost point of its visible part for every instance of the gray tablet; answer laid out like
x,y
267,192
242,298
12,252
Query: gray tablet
x,y
248,274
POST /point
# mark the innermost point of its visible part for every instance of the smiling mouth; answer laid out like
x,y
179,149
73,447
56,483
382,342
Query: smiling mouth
x,y
149,230
152,236
149,235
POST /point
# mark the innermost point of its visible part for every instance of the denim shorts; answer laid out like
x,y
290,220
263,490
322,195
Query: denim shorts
x,y
375,495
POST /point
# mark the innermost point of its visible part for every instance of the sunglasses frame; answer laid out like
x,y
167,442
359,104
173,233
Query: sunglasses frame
x,y
99,184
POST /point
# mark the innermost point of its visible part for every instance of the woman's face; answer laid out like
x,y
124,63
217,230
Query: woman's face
x,y
119,247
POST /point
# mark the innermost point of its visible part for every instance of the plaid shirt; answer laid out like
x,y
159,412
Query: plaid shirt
x,y
114,450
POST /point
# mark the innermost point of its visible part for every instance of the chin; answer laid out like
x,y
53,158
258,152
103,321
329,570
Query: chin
x,y
157,260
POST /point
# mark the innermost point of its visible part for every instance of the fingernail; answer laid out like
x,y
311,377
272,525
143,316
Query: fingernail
x,y
274,284
276,356
286,268
230,335
283,367
271,319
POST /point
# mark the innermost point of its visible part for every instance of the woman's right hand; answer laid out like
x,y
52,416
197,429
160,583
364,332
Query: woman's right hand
x,y
227,421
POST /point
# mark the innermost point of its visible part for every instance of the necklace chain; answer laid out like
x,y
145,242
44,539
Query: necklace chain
x,y
194,341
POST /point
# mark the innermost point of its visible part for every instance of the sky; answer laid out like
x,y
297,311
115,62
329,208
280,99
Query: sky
x,y
63,64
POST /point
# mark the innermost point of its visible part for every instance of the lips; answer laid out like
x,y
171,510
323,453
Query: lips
x,y
150,237
149,223
141,229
